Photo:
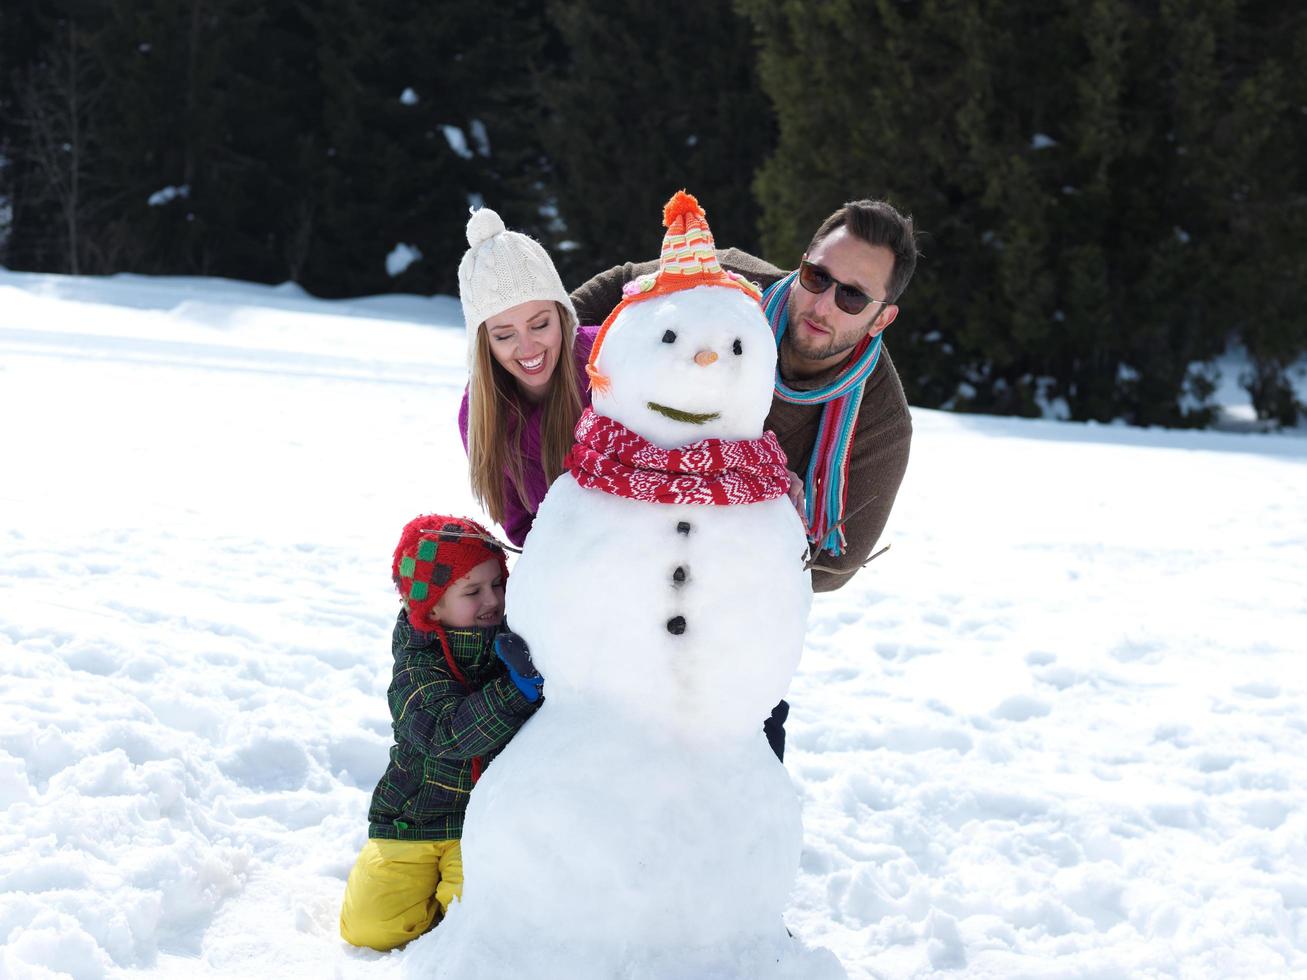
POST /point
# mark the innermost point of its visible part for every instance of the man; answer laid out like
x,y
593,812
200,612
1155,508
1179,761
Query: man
x,y
835,378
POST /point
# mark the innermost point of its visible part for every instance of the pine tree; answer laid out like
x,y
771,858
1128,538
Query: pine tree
x,y
425,114
13,32
1259,143
57,143
293,141
27,211
1107,189
638,108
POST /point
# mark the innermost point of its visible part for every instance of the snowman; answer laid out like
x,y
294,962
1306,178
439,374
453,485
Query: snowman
x,y
639,825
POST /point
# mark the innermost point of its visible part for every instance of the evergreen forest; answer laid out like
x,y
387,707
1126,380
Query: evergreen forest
x,y
1108,192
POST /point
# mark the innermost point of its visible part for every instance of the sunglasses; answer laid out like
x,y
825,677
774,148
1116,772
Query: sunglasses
x,y
850,299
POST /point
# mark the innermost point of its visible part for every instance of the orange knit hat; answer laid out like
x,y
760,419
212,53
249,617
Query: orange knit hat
x,y
688,259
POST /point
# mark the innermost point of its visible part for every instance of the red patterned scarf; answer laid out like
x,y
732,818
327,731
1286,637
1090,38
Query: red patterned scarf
x,y
610,457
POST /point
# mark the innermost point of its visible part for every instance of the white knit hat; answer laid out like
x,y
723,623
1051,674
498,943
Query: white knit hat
x,y
502,269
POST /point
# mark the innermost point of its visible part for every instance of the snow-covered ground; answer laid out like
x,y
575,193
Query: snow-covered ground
x,y
1057,731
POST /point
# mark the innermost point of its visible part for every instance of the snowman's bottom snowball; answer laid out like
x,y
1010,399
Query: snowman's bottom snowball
x,y
441,955
678,866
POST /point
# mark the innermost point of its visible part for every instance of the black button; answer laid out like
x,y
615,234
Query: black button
x,y
678,576
676,625
683,527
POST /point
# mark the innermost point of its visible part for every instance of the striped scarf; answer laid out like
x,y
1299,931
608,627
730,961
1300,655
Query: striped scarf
x,y
826,484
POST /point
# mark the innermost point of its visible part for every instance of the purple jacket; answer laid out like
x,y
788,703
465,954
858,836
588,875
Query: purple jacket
x,y
518,519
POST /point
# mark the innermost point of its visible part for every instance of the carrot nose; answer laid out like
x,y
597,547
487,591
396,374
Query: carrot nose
x,y
705,357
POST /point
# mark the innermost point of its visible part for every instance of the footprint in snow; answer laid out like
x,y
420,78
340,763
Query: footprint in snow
x,y
1131,651
1059,677
1259,689
1021,707
92,660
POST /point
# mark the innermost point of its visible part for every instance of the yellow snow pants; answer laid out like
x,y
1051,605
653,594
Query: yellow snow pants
x,y
397,890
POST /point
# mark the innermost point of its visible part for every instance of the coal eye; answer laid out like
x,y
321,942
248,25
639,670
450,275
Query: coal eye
x,y
737,347
669,337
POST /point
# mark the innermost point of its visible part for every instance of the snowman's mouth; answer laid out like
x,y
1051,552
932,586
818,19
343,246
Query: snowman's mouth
x,y
693,418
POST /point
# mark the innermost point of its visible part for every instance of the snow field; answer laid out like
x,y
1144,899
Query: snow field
x,y
1057,731
1079,752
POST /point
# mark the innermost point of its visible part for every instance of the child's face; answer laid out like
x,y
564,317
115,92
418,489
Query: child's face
x,y
476,599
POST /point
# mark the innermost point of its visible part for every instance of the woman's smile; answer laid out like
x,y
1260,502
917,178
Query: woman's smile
x,y
535,365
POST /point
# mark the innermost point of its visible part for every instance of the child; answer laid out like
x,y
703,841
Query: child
x,y
454,704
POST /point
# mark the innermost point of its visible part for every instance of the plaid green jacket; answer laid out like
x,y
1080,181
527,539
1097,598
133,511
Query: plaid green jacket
x,y
440,725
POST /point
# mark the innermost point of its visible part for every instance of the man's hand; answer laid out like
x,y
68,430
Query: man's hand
x,y
513,651
796,494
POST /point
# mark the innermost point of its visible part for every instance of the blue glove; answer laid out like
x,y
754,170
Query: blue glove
x,y
513,651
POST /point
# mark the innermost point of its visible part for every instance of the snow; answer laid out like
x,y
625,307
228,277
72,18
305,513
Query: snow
x,y
457,141
1055,407
480,137
6,208
168,194
1055,732
408,97
400,258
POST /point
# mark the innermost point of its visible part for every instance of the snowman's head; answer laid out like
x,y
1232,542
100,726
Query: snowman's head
x,y
687,355
692,364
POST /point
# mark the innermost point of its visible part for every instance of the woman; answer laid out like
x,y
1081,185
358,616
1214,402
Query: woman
x,y
520,409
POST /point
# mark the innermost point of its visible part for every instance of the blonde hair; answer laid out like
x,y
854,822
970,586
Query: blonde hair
x,y
492,399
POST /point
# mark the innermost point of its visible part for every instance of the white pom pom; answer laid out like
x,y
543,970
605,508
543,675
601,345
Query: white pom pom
x,y
483,224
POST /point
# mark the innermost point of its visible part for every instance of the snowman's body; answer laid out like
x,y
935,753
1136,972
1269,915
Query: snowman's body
x,y
607,580
639,825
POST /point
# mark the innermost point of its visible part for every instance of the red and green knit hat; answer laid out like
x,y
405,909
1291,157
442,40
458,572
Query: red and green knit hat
x,y
433,553
688,259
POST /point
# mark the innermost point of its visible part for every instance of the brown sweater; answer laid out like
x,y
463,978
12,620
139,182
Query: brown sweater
x,y
881,439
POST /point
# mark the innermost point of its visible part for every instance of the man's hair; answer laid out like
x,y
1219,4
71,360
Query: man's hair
x,y
878,223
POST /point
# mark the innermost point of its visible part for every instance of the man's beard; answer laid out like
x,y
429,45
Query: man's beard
x,y
814,350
